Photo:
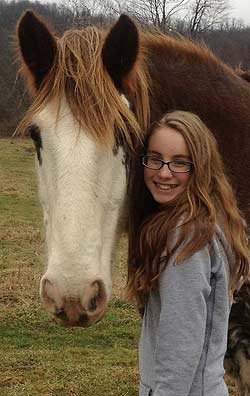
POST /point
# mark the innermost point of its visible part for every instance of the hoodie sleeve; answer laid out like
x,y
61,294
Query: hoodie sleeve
x,y
184,289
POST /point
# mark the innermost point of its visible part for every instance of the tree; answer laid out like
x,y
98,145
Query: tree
x,y
158,13
207,14
83,12
193,15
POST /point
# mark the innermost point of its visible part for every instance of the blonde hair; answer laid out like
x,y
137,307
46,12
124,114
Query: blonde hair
x,y
208,199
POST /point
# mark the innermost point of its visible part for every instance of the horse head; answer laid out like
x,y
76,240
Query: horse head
x,y
82,86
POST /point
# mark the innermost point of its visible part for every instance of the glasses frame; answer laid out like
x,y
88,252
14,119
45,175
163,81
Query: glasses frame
x,y
165,163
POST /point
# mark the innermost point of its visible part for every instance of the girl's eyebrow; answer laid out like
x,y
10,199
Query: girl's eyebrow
x,y
153,152
182,156
187,157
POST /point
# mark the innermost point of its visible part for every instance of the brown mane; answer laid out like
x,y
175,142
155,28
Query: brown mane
x,y
183,73
79,74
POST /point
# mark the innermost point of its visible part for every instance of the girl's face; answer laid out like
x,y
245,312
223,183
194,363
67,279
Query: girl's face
x,y
169,145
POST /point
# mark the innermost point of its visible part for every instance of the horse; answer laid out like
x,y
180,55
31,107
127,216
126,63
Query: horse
x,y
95,93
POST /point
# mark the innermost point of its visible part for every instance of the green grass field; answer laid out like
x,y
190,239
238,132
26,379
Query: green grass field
x,y
37,356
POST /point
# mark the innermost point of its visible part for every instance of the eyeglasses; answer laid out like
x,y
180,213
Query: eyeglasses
x,y
176,166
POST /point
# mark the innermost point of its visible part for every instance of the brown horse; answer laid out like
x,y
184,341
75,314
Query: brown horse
x,y
94,92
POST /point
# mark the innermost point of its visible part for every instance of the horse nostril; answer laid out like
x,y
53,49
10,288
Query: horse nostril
x,y
93,304
95,298
50,294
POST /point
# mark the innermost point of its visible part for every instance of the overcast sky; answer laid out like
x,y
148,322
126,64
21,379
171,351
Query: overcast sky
x,y
241,9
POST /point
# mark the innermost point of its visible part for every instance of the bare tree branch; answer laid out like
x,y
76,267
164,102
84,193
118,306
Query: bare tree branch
x,y
207,14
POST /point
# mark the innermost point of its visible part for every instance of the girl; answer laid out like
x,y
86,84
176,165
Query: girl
x,y
188,250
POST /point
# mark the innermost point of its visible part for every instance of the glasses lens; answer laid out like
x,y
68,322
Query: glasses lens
x,y
180,166
151,162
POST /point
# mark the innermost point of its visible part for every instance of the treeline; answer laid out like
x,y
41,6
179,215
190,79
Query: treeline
x,y
229,39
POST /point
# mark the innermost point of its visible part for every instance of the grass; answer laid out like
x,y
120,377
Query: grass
x,y
37,356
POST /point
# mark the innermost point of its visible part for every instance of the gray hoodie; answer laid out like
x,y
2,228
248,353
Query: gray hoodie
x,y
184,330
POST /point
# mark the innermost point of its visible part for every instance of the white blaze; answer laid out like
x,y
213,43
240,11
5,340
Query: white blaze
x,y
82,190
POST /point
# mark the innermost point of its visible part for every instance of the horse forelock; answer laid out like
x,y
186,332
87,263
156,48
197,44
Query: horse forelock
x,y
78,74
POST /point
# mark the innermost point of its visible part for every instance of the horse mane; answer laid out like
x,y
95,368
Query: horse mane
x,y
187,75
78,74
178,44
161,47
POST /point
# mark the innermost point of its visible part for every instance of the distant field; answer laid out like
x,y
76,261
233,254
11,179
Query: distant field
x,y
38,357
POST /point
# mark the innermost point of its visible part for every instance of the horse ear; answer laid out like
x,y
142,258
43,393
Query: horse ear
x,y
120,49
37,47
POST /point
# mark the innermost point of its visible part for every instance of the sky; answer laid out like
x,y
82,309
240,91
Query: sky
x,y
240,9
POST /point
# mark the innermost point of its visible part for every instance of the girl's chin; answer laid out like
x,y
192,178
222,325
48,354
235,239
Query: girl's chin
x,y
164,198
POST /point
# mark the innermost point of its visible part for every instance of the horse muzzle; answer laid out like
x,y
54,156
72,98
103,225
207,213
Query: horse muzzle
x,y
83,310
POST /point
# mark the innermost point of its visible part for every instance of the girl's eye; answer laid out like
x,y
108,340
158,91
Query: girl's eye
x,y
179,163
154,160
180,166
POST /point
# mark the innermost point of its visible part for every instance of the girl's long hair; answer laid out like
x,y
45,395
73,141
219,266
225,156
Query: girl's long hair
x,y
208,199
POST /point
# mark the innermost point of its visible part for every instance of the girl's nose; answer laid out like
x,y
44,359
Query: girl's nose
x,y
165,171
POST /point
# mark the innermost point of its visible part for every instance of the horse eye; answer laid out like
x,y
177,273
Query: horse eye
x,y
35,135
